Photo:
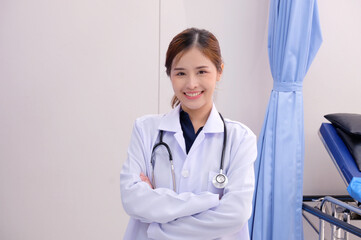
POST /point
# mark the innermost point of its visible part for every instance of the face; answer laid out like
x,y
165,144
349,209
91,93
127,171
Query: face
x,y
194,78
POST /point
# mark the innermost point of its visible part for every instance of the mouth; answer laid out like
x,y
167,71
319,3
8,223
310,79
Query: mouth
x,y
193,95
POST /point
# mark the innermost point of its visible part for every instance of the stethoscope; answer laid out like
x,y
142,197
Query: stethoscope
x,y
219,181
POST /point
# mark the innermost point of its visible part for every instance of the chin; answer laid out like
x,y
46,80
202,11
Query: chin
x,y
193,106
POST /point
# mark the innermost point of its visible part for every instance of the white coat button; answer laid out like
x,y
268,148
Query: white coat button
x,y
185,173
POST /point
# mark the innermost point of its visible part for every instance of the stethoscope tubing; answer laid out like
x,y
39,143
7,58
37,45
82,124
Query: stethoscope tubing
x,y
224,143
161,143
216,182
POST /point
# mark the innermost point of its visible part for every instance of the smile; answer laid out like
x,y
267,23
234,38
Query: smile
x,y
193,95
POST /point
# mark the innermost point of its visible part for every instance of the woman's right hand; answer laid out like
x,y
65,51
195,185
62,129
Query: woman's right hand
x,y
146,179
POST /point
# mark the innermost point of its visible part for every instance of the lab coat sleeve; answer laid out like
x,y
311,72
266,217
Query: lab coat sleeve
x,y
159,205
230,215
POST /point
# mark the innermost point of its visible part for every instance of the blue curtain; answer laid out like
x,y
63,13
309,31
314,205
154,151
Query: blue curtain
x,y
294,37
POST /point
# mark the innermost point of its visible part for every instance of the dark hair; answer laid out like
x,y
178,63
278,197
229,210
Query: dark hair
x,y
204,40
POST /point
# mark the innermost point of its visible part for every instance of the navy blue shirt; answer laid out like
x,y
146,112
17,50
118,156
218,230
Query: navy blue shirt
x,y
188,130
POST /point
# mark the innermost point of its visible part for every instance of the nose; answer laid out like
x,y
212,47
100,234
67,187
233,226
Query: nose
x,y
192,82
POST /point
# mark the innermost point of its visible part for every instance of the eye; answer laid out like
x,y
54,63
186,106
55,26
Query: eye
x,y
180,74
202,72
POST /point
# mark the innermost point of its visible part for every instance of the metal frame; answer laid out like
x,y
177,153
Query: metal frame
x,y
339,218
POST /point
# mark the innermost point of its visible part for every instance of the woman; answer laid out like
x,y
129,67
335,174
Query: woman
x,y
188,202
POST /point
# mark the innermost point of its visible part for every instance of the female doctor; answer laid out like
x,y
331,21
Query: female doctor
x,y
189,173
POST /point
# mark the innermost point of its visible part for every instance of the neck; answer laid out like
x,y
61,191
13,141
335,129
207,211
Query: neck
x,y
198,117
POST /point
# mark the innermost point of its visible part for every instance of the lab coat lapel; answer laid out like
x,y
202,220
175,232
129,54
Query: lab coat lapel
x,y
170,123
197,142
214,124
180,139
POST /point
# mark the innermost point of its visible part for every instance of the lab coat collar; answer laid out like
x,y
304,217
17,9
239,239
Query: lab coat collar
x,y
170,122
214,123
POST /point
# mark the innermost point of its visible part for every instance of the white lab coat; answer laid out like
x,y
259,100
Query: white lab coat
x,y
197,210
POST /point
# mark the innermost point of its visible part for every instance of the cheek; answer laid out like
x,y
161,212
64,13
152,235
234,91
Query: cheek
x,y
212,82
175,85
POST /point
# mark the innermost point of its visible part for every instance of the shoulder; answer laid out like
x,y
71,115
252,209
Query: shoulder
x,y
242,141
150,121
146,127
238,130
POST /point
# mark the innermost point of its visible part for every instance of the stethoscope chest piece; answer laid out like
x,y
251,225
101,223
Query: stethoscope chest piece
x,y
220,180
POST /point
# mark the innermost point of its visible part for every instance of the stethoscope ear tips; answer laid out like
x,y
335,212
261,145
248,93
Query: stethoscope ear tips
x,y
220,180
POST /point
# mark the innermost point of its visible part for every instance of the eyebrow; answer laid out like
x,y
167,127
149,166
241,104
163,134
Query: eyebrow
x,y
179,68
201,67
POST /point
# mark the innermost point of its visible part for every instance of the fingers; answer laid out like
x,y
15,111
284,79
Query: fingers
x,y
145,179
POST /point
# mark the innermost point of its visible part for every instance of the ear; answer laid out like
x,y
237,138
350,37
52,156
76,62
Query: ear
x,y
219,73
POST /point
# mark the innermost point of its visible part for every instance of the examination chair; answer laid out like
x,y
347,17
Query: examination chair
x,y
341,139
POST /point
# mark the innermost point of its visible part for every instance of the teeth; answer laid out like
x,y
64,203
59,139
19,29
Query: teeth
x,y
193,94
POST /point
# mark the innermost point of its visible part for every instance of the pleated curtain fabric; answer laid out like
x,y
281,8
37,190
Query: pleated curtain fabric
x,y
294,37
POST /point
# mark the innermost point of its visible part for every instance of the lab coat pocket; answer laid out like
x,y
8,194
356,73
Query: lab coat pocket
x,y
211,187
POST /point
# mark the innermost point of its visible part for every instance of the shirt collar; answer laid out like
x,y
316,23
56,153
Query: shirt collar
x,y
170,121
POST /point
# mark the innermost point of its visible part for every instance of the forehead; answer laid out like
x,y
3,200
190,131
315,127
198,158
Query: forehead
x,y
191,58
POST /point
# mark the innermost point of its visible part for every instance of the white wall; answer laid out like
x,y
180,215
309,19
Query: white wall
x,y
75,74
332,85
